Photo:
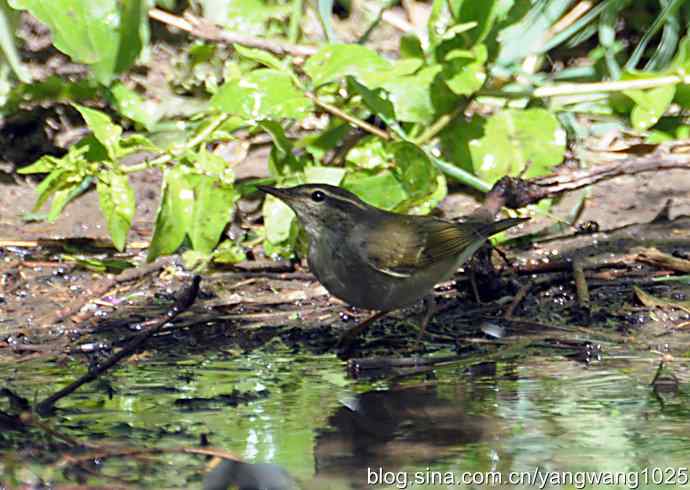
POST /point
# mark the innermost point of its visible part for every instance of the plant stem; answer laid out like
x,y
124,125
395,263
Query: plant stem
x,y
295,20
207,131
355,121
439,125
459,174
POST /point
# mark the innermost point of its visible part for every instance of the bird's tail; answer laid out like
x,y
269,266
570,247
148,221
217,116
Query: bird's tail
x,y
491,229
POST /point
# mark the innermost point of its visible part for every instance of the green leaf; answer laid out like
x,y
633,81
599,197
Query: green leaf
x,y
482,13
375,100
8,24
103,128
133,106
133,32
335,61
324,175
174,212
260,56
262,94
283,163
278,220
118,205
213,208
370,153
229,252
418,98
515,142
105,34
249,17
44,164
650,105
411,47
414,170
464,73
382,190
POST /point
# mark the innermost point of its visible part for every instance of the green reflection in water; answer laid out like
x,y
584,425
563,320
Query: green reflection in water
x,y
304,414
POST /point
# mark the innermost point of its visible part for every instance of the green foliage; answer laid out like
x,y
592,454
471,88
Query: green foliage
x,y
463,101
108,35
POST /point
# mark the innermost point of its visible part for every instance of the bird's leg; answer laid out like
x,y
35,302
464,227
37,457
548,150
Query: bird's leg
x,y
429,310
349,336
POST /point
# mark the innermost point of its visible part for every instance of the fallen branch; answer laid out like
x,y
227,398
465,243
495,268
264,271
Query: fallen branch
x,y
516,193
207,30
183,303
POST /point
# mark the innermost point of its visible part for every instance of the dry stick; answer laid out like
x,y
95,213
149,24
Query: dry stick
x,y
182,304
516,193
126,276
207,30
580,284
347,117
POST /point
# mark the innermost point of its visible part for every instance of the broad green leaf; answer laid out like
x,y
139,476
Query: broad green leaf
x,y
650,105
249,17
8,24
105,34
456,140
260,56
411,47
282,162
370,153
133,106
103,128
464,73
376,100
229,252
324,175
262,94
418,98
213,208
516,142
414,170
382,190
118,205
174,212
278,220
335,61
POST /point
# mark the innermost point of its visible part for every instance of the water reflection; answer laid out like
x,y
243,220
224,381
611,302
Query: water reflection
x,y
415,425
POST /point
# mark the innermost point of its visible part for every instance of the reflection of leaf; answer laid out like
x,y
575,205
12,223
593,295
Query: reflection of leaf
x,y
262,94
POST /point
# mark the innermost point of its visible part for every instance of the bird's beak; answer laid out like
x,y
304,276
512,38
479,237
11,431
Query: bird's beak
x,y
274,191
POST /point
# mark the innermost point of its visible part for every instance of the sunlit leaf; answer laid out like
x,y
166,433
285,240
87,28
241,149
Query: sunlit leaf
x,y
262,94
103,128
213,208
118,205
508,143
650,105
174,212
336,61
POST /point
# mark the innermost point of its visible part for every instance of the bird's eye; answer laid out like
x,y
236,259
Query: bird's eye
x,y
318,196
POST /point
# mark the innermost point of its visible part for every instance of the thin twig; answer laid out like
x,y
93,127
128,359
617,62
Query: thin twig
x,y
349,118
107,285
182,304
204,29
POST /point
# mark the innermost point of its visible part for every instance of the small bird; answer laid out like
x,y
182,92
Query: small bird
x,y
376,259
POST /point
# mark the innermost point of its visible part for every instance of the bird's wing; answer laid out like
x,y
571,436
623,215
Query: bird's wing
x,y
402,254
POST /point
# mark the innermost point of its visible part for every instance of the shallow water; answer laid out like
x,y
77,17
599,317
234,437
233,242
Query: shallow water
x,y
326,430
